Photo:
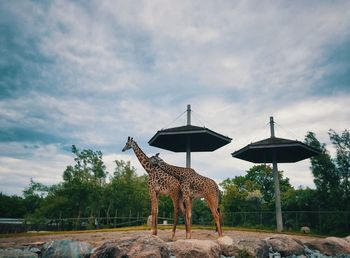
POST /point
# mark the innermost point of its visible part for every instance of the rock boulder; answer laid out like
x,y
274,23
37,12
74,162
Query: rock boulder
x,y
193,248
305,230
227,247
347,239
66,248
135,246
330,246
12,252
255,247
285,245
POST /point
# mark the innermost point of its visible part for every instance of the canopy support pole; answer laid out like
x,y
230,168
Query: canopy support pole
x,y
277,184
277,197
188,143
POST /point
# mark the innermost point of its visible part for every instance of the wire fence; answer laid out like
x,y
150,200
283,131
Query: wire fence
x,y
321,222
69,224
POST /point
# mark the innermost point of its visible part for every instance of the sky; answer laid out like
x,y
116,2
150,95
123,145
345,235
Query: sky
x,y
92,73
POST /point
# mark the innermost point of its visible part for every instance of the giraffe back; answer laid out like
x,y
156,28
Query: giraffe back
x,y
162,182
198,185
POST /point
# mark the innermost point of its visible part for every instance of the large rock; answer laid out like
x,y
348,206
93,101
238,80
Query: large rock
x,y
254,247
330,246
135,246
227,247
193,248
305,230
11,253
66,248
347,239
285,245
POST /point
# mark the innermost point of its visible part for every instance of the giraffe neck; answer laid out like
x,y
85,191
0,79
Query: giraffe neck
x,y
169,169
142,157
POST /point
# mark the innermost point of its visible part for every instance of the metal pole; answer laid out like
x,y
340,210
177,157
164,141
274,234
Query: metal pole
x,y
188,114
188,147
277,197
272,127
276,183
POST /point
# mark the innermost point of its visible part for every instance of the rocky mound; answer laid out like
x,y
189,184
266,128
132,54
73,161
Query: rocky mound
x,y
152,246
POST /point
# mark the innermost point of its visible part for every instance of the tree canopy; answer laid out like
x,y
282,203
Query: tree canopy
x,y
88,190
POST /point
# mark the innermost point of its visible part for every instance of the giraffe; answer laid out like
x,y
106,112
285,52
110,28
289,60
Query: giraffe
x,y
158,183
193,185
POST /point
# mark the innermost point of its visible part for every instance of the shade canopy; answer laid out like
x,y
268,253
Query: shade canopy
x,y
178,139
276,150
282,150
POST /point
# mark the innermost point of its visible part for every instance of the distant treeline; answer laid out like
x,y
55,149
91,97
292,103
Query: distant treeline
x,y
87,190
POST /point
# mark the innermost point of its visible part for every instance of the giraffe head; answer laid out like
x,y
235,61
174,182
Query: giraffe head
x,y
155,160
128,144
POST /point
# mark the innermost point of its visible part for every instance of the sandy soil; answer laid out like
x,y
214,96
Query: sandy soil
x,y
97,238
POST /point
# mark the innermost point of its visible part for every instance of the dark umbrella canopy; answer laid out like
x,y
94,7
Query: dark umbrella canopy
x,y
278,149
188,138
177,139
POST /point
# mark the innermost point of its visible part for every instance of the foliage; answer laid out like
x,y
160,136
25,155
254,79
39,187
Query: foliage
x,y
201,213
331,175
300,200
342,162
127,192
12,206
88,190
252,192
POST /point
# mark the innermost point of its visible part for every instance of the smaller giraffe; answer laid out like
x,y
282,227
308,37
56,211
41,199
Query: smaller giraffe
x,y
193,185
158,183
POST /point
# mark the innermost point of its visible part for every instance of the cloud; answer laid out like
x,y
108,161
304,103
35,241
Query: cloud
x,y
93,73
20,163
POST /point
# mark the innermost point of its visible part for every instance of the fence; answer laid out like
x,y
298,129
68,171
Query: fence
x,y
66,224
323,222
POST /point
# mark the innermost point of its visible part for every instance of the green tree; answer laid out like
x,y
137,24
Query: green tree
x,y
12,206
235,192
201,213
84,182
262,178
300,200
254,191
34,195
342,161
57,203
326,176
127,192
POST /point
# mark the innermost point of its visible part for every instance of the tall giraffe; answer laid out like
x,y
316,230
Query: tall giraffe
x,y
158,183
193,185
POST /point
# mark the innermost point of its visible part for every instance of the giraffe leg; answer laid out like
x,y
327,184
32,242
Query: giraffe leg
x,y
175,198
182,208
188,207
214,208
154,212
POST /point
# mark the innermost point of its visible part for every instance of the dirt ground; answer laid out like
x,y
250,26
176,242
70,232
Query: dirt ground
x,y
96,238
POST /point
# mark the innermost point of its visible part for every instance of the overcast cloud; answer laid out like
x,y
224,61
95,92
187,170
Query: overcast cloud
x,y
91,73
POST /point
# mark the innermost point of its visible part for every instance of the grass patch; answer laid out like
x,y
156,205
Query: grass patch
x,y
160,227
